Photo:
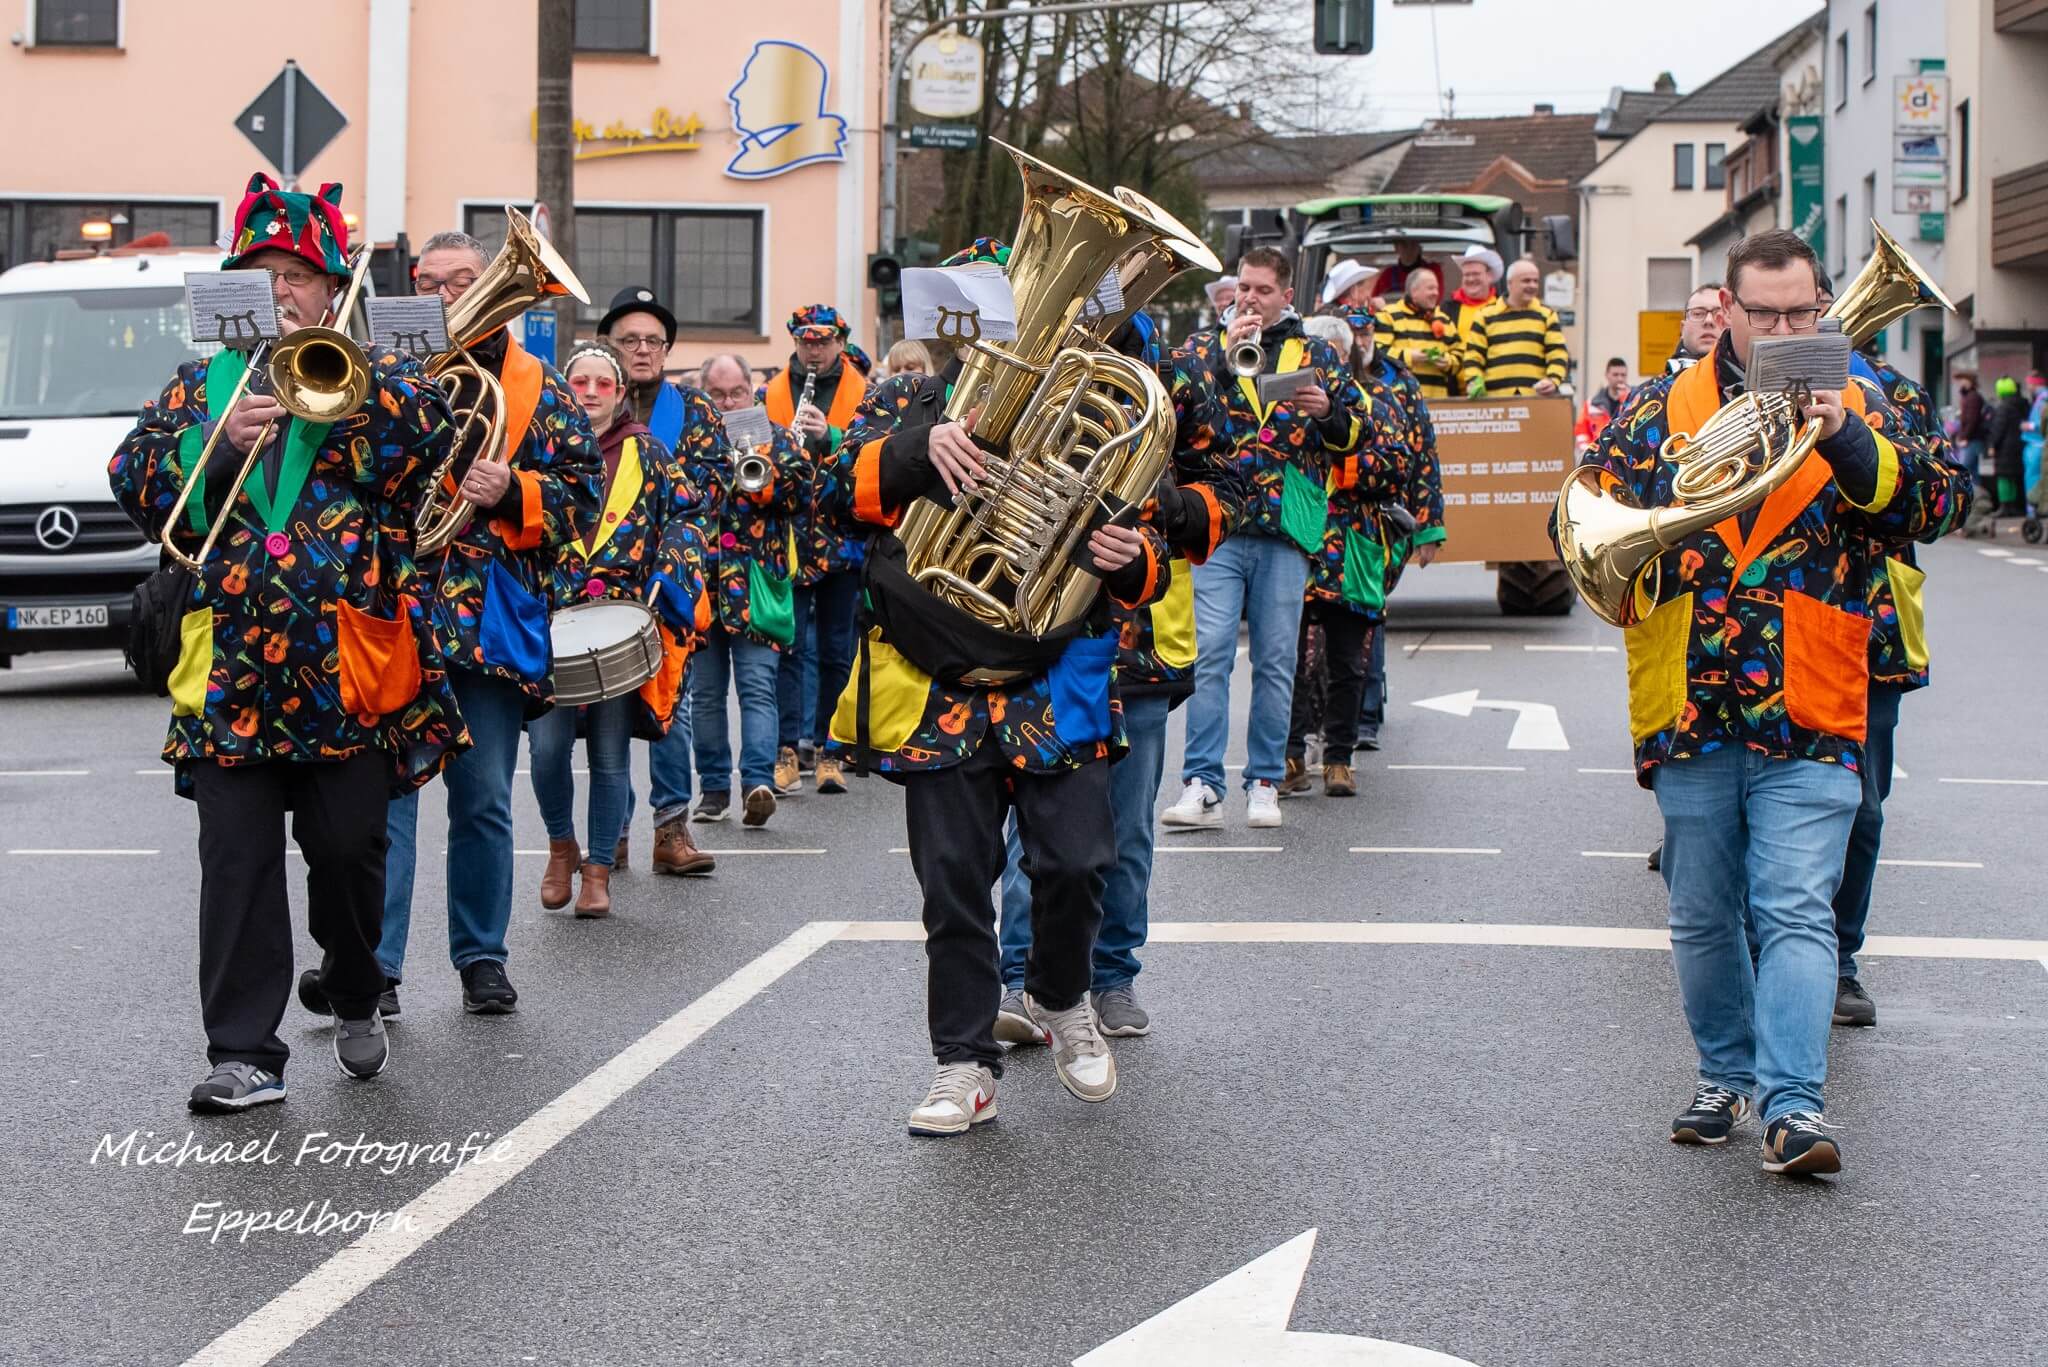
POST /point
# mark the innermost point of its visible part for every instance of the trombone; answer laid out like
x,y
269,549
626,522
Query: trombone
x,y
318,373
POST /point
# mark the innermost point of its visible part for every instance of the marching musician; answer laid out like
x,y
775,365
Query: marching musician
x,y
309,682
967,754
1749,688
643,330
811,673
490,618
749,534
644,542
1197,505
1284,452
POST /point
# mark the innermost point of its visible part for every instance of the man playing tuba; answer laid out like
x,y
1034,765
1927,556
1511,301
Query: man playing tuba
x,y
1748,684
309,682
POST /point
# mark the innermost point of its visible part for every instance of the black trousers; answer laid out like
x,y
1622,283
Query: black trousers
x,y
245,921
956,818
1345,637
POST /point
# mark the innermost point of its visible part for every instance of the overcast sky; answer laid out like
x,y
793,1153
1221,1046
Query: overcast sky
x,y
1503,56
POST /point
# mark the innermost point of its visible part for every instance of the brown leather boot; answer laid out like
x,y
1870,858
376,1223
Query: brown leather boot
x,y
1295,783
1338,782
675,852
595,898
554,879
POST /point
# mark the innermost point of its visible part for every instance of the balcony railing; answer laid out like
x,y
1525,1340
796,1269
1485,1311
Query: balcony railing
x,y
2019,218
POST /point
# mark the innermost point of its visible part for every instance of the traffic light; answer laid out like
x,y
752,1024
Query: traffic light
x,y
885,277
1343,27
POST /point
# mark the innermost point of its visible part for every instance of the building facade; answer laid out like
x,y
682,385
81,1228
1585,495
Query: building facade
x,y
730,166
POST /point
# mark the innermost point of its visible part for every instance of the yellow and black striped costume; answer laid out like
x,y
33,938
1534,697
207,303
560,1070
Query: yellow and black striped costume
x,y
1518,347
1429,345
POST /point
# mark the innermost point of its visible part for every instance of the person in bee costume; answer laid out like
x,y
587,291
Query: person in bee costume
x,y
309,683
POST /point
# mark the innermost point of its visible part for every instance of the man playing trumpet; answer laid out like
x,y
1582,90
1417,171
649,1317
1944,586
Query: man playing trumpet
x,y
309,682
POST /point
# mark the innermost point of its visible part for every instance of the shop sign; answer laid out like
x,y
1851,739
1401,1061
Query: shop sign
x,y
665,132
946,76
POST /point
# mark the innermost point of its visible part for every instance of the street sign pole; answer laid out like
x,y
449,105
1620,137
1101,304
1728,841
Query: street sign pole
x,y
290,167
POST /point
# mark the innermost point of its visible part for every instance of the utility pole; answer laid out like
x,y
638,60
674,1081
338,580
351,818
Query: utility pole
x,y
554,172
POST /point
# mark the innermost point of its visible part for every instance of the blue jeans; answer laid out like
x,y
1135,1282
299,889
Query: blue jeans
x,y
1126,915
1372,709
814,669
551,741
1852,899
479,832
727,659
668,769
1259,578
1739,827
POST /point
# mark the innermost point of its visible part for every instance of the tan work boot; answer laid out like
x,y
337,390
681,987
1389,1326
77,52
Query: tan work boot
x,y
1337,781
554,879
675,852
1296,782
831,777
788,778
595,899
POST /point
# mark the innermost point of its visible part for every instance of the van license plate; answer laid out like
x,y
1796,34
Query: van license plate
x,y
57,618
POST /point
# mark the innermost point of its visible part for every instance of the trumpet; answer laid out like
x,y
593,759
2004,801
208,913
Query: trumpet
x,y
318,373
1246,358
751,471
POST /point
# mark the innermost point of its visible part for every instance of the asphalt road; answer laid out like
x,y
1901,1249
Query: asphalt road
x,y
710,1164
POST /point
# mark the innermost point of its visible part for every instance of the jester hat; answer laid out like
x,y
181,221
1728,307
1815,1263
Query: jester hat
x,y
310,227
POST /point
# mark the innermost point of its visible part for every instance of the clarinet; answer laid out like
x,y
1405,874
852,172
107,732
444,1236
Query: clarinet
x,y
810,389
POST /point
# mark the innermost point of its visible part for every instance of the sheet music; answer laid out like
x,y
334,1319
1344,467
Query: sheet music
x,y
232,308
748,428
414,325
959,304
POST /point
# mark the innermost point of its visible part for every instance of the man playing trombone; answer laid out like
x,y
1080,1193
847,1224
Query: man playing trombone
x,y
308,682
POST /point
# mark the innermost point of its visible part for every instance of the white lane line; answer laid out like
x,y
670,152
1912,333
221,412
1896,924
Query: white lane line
x,y
94,852
1423,849
1460,768
1614,854
2000,782
1931,863
1451,646
44,773
1482,933
74,664
2024,560
161,771
1897,772
309,1302
1995,553
781,850
1572,650
1216,849
1630,772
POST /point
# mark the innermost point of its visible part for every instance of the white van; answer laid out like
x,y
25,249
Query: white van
x,y
83,346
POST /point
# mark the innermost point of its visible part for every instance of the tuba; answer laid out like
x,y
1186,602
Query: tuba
x,y
525,271
1613,550
1067,425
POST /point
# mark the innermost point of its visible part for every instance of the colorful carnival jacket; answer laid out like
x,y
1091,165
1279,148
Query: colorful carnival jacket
x,y
1350,567
916,722
306,638
1283,455
1200,504
497,571
747,537
1421,483
1760,633
822,548
646,534
1898,634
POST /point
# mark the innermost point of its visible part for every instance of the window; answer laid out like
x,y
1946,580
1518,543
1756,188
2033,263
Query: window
x,y
78,23
1870,45
1841,70
1670,283
35,229
1869,214
703,263
1839,238
1681,166
1717,165
614,26
1962,152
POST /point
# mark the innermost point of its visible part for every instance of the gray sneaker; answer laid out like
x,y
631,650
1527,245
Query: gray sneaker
x,y
1119,1013
361,1047
236,1087
1014,1024
1079,1054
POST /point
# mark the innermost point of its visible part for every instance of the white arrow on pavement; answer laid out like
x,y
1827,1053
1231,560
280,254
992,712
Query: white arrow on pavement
x,y
1241,1321
1536,723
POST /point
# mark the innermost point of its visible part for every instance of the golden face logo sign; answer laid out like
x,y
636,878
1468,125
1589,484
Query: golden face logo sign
x,y
667,132
778,110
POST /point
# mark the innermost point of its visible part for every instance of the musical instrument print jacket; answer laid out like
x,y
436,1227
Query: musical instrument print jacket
x,y
746,536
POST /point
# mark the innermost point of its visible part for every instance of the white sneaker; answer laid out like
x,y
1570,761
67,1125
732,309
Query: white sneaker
x,y
1079,1053
1199,805
963,1095
1262,808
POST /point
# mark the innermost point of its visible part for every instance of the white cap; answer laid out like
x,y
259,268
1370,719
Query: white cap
x,y
1475,252
1343,277
1221,290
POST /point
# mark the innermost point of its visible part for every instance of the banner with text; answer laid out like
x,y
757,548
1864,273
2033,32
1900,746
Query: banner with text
x,y
1503,461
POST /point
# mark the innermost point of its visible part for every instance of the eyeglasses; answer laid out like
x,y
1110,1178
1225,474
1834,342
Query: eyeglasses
x,y
655,343
298,279
427,284
1701,315
1766,320
594,384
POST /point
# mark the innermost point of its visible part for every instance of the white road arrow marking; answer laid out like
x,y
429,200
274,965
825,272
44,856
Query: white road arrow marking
x,y
1536,723
1242,1319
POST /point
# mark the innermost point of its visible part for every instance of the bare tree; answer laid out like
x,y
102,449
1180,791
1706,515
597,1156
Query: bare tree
x,y
554,149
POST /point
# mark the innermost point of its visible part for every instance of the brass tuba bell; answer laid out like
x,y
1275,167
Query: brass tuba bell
x,y
1613,549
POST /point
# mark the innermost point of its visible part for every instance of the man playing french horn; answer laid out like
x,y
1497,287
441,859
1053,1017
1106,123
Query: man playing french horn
x,y
309,682
1748,678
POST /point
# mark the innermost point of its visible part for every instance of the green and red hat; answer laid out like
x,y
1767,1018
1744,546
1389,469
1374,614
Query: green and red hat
x,y
984,249
818,323
310,227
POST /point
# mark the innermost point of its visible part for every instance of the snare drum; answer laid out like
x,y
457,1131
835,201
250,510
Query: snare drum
x,y
603,650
